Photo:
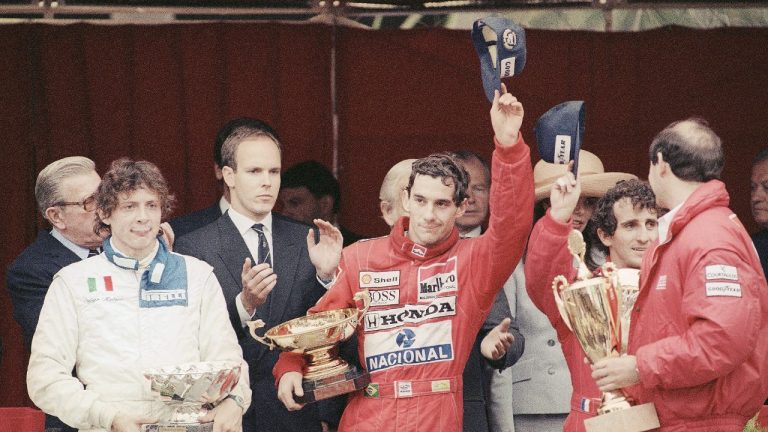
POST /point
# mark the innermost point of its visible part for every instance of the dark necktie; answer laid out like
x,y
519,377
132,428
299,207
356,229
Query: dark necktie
x,y
262,311
93,252
264,256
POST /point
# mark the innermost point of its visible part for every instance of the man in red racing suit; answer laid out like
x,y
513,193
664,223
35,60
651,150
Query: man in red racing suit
x,y
430,291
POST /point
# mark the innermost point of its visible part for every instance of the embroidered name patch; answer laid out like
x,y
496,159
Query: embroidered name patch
x,y
162,298
721,271
379,279
723,289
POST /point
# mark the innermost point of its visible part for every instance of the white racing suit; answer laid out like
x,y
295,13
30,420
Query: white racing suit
x,y
92,320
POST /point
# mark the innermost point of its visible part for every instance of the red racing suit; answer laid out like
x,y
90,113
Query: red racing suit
x,y
427,305
700,322
548,256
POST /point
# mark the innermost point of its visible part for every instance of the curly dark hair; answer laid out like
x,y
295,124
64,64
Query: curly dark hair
x,y
125,176
640,195
446,167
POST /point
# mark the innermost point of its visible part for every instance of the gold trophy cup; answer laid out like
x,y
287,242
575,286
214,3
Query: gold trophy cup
x,y
597,310
317,336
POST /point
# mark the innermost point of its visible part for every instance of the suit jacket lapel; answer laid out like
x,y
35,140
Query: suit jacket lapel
x,y
56,251
232,251
286,252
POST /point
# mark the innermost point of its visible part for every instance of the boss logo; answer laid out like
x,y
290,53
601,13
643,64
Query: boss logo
x,y
384,297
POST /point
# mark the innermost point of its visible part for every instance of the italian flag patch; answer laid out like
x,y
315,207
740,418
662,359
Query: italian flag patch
x,y
100,284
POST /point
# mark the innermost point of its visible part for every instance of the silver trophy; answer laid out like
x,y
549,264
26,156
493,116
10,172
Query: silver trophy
x,y
189,391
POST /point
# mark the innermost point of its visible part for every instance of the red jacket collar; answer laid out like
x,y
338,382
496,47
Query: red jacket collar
x,y
405,246
708,195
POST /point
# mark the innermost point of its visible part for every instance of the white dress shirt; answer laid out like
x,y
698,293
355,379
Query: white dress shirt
x,y
77,249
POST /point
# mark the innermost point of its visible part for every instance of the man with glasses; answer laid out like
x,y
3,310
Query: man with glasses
x,y
64,194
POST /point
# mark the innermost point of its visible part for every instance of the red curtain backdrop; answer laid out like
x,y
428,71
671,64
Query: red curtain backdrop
x,y
160,93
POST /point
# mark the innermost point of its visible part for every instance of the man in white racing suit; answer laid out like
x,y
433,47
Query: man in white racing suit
x,y
134,307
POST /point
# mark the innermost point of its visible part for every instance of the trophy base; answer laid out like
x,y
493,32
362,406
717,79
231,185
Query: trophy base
x,y
180,427
635,419
334,385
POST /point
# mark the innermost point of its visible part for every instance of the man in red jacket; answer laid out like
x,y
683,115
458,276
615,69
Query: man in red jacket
x,y
433,291
697,345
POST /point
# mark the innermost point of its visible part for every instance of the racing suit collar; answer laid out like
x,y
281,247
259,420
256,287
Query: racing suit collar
x,y
405,246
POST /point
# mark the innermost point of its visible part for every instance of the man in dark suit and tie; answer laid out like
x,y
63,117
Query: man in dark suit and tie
x,y
290,271
308,191
189,222
64,194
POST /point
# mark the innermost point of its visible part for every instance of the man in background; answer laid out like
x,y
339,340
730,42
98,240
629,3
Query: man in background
x,y
64,195
269,266
392,187
187,223
759,204
309,191
487,406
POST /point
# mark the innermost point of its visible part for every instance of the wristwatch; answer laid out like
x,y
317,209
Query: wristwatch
x,y
238,400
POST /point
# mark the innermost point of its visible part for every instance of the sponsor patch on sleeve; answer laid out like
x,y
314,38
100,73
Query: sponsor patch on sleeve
x,y
723,289
721,271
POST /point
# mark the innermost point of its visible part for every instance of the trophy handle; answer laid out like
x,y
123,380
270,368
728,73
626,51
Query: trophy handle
x,y
558,284
255,325
362,298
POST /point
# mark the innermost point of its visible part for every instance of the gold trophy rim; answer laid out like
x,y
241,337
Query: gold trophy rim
x,y
349,314
324,367
352,316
